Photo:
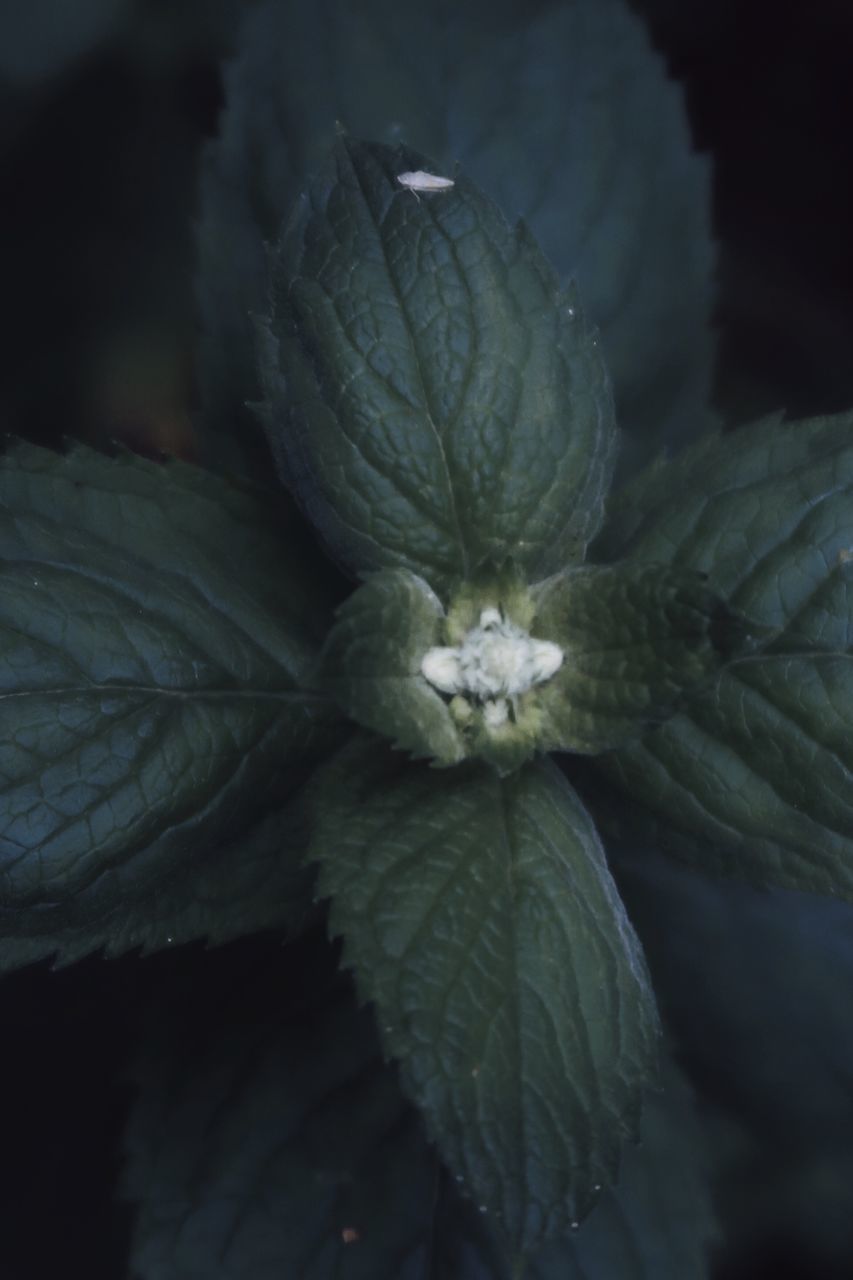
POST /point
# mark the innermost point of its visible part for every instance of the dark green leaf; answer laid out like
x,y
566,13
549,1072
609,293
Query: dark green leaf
x,y
152,636
564,116
259,1139
637,639
757,985
432,399
656,1224
757,774
757,988
251,880
371,663
315,1140
659,1222
480,917
570,119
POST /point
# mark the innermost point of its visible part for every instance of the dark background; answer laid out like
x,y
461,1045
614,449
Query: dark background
x,y
99,138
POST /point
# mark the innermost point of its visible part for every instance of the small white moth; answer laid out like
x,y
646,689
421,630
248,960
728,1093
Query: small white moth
x,y
418,180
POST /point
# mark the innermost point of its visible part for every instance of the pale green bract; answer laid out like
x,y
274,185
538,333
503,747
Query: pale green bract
x,y
582,662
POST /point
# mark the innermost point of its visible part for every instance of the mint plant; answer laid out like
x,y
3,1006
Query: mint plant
x,y
205,735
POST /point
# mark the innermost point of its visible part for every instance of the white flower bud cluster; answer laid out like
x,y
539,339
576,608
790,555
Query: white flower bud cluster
x,y
497,661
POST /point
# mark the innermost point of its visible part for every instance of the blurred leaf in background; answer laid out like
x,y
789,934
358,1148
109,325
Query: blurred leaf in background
x,y
756,989
318,1167
103,105
562,114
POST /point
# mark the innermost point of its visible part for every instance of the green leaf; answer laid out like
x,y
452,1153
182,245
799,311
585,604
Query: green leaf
x,y
481,919
757,989
432,398
757,774
251,880
565,115
571,119
637,640
371,664
757,985
266,1125
152,636
658,1223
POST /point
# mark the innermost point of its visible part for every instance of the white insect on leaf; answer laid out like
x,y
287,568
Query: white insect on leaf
x,y
417,180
